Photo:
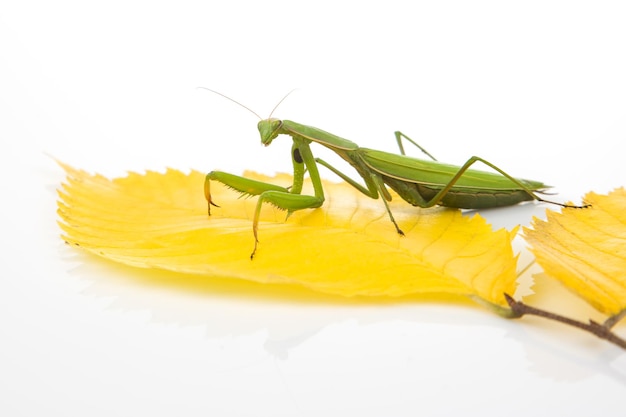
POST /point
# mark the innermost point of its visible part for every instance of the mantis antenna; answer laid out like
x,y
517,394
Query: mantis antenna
x,y
279,103
236,102
246,107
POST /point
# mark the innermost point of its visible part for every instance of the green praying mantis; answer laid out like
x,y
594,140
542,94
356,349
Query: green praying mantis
x,y
419,182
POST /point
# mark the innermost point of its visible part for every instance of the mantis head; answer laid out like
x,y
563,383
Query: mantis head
x,y
269,129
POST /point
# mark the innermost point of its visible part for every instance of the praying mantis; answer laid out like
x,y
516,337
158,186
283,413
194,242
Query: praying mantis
x,y
423,183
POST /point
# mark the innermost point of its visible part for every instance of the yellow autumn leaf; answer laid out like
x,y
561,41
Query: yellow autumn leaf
x,y
585,249
348,247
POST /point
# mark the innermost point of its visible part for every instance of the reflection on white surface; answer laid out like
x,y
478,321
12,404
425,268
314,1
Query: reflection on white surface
x,y
297,350
288,318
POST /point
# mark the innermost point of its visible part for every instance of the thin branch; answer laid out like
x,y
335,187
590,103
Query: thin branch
x,y
600,330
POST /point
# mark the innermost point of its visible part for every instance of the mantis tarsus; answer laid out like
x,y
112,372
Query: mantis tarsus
x,y
419,182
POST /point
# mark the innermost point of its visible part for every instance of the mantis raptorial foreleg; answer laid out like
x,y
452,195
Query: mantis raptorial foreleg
x,y
282,200
280,197
285,198
244,185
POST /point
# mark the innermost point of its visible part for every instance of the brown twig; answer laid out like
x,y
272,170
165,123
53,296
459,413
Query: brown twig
x,y
603,331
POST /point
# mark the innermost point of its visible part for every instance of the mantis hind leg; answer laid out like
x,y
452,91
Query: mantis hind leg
x,y
399,135
532,193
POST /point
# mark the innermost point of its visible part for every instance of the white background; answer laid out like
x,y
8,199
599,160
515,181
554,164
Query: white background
x,y
537,87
